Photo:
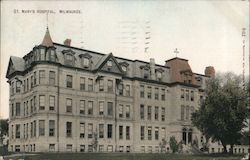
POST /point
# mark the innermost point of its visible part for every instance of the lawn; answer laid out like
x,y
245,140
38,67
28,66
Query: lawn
x,y
123,156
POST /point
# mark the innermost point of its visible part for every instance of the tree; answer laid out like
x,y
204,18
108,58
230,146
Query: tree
x,y
174,146
4,128
223,113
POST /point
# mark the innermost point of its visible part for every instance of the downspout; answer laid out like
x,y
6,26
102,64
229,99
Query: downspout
x,y
58,92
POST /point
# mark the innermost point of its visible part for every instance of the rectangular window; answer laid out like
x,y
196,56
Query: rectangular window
x,y
156,133
90,107
141,91
82,107
52,78
12,90
31,106
110,148
109,131
120,110
142,111
156,113
42,102
127,90
101,85
82,148
101,108
17,109
142,132
90,130
85,62
163,95
24,86
110,86
34,78
101,130
69,147
110,108
187,95
127,132
24,131
17,130
156,93
182,93
120,89
149,92
182,112
90,84
17,148
163,113
68,129
82,83
51,147
69,80
41,127
27,84
163,133
69,105
69,59
18,86
120,132
31,129
82,130
90,148
149,112
34,123
34,101
149,133
51,127
187,112
127,111
27,108
42,77
192,96
51,103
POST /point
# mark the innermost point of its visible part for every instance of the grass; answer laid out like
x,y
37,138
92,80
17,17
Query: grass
x,y
124,156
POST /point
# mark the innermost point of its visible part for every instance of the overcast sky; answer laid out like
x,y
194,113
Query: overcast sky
x,y
206,33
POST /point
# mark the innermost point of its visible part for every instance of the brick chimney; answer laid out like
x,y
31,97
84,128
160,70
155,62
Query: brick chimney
x,y
209,71
67,42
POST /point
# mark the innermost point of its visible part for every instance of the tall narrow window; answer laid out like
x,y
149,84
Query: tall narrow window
x,y
52,78
69,80
42,77
187,112
17,109
163,113
120,132
82,107
120,89
34,78
142,111
69,105
156,113
163,94
31,106
141,91
149,133
149,112
120,110
17,130
85,62
182,112
182,93
34,123
149,92
192,96
69,60
90,108
101,130
156,133
110,108
127,111
82,130
34,101
90,130
127,90
27,84
156,93
142,132
187,95
109,130
18,86
51,103
110,86
41,127
101,85
82,83
127,132
101,108
24,87
42,102
68,129
90,84
51,127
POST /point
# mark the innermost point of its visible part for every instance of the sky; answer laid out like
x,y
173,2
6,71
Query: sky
x,y
207,33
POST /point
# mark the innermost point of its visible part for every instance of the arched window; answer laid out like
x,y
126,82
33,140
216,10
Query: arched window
x,y
184,135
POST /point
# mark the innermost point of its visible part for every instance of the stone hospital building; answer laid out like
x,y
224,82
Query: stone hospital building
x,y
64,98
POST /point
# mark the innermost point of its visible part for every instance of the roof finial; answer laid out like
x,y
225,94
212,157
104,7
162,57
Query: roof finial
x,y
47,20
176,52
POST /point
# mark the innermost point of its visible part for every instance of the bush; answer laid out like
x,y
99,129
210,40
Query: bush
x,y
174,146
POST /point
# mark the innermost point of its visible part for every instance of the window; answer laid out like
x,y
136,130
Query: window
x,y
27,84
34,123
156,113
141,91
12,88
42,77
109,131
69,105
90,108
34,78
156,93
110,148
143,149
149,112
101,148
192,96
41,102
52,78
182,112
69,147
121,148
187,112
82,83
17,148
149,133
41,127
31,82
127,111
149,92
187,95
90,148
109,63
191,111
18,86
120,89
69,60
150,149
163,94
27,108
127,132
17,109
101,108
162,113
90,84
51,147
90,130
24,87
156,133
82,148
120,110
124,68
159,75
51,103
17,130
82,107
127,90
31,129
51,127
82,130
31,106
142,111
69,81
52,55
101,85
101,130
142,132
163,133
68,129
182,93
110,86
110,108
34,101
85,62
120,132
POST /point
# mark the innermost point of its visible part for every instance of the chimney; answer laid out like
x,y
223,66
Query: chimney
x,y
209,71
67,42
152,68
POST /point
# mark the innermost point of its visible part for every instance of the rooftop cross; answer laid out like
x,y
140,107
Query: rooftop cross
x,y
176,51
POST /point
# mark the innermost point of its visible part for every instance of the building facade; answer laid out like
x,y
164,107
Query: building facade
x,y
64,98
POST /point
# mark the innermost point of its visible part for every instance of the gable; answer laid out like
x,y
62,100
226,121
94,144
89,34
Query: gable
x,y
16,64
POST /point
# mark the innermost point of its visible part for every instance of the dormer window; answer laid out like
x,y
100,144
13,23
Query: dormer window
x,y
52,56
124,68
145,71
85,60
159,72
109,63
159,75
69,59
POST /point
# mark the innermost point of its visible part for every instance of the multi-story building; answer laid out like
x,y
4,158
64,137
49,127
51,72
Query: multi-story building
x,y
64,98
